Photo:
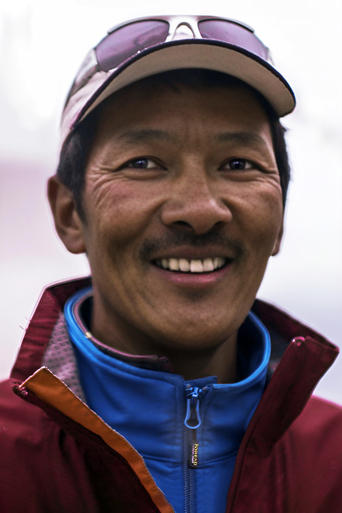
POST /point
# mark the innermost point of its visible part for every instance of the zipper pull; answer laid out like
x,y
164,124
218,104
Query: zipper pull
x,y
192,417
193,421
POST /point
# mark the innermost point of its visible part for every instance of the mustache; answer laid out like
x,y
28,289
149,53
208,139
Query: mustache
x,y
151,247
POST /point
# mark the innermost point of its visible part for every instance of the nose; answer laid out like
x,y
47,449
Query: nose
x,y
195,204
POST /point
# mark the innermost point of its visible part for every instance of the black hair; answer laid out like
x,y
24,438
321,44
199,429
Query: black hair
x,y
74,154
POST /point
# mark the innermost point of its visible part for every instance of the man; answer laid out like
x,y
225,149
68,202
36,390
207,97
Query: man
x,y
162,385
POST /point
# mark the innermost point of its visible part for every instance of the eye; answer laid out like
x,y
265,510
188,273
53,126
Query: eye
x,y
238,164
141,163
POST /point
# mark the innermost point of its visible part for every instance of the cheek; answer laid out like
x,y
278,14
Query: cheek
x,y
119,215
260,219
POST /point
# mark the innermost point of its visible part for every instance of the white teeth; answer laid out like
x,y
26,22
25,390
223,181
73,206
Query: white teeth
x,y
218,262
184,265
174,264
194,266
208,264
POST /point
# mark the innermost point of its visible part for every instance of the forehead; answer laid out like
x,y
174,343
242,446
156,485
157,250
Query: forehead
x,y
189,97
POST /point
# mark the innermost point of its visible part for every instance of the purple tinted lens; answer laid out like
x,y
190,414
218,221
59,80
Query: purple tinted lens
x,y
126,41
234,34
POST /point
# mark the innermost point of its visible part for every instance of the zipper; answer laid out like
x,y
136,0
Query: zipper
x,y
192,422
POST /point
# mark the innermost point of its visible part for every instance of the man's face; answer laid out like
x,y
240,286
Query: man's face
x,y
183,208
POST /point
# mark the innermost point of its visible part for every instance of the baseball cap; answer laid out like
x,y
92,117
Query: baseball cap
x,y
147,46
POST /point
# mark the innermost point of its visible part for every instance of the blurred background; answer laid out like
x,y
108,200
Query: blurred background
x,y
41,46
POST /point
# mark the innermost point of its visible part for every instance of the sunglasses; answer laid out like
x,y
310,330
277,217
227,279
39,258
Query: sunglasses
x,y
132,37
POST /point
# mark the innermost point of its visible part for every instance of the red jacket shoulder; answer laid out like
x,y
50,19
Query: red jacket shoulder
x,y
320,419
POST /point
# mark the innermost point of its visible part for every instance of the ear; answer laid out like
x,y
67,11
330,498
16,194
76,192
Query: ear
x,y
277,244
67,220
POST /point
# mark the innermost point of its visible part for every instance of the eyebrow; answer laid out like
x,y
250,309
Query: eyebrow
x,y
243,138
147,134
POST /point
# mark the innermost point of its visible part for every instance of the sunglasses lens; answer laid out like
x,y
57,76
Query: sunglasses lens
x,y
234,34
126,41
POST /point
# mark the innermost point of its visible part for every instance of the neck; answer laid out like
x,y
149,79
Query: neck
x,y
217,361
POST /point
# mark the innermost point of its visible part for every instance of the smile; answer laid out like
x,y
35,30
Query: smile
x,y
185,265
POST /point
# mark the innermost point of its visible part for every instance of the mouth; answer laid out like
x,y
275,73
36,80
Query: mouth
x,y
192,266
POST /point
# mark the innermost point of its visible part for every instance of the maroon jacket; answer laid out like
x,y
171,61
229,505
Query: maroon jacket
x,y
57,456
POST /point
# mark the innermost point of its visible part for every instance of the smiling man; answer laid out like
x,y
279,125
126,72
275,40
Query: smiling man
x,y
162,384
